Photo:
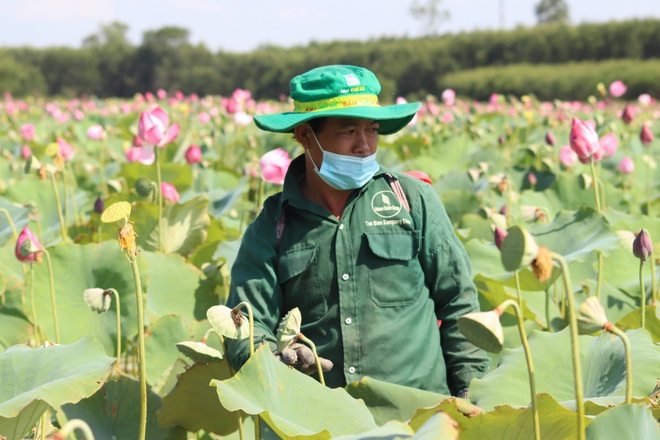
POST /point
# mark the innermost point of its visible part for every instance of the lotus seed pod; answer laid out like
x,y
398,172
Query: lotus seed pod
x,y
483,329
591,316
519,249
97,299
143,186
289,328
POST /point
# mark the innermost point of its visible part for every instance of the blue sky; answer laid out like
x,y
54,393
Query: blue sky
x,y
244,25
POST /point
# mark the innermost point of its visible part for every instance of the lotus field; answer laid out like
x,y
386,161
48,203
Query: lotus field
x,y
120,221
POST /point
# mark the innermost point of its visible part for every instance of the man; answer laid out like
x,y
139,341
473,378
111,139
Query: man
x,y
369,257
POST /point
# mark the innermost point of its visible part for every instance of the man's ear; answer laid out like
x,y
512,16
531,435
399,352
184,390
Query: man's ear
x,y
303,134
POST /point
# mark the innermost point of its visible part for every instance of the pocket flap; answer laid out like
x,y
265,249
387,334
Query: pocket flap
x,y
294,262
402,246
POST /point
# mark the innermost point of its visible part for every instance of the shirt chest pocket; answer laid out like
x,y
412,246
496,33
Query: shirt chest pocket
x,y
297,271
396,278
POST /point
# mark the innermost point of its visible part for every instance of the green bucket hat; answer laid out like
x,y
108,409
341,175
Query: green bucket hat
x,y
340,91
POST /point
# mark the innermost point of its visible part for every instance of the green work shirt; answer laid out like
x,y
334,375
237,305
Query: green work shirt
x,y
379,289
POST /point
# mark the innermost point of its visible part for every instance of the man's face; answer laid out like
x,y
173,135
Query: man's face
x,y
348,136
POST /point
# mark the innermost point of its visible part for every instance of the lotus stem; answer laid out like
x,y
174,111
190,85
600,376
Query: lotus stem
x,y
548,326
575,344
37,341
116,295
248,308
600,273
595,179
626,345
316,356
528,357
59,207
52,296
643,293
11,223
73,424
141,352
159,192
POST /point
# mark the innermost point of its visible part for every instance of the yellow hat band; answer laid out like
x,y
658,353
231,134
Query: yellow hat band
x,y
368,100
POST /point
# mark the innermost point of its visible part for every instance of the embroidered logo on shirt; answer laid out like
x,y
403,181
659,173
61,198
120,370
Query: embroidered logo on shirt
x,y
385,204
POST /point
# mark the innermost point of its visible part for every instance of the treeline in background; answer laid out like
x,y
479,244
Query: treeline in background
x,y
552,61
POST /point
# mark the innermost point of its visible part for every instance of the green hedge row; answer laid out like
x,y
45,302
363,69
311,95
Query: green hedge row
x,y
556,81
406,66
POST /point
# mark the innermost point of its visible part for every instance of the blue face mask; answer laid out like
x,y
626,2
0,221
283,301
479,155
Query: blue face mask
x,y
345,172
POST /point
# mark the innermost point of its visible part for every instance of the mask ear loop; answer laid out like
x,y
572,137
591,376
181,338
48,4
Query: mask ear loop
x,y
310,154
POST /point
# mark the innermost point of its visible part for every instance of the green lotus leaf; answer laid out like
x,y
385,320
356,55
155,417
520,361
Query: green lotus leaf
x,y
75,269
194,405
625,421
14,428
160,345
114,412
179,175
633,321
603,367
293,404
184,225
575,235
388,401
199,352
54,375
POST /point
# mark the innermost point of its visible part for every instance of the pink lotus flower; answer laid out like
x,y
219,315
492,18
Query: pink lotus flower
x,y
25,152
449,97
145,155
169,191
646,135
193,154
584,140
27,131
644,99
154,128
26,245
162,94
567,156
242,118
447,117
626,166
609,144
66,150
618,89
95,132
420,175
203,118
274,166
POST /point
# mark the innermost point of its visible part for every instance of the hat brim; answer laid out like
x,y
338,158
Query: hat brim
x,y
392,118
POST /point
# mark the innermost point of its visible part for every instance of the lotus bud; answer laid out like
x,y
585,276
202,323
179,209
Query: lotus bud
x,y
646,135
27,247
99,205
532,179
193,154
583,139
628,114
642,246
483,329
519,249
550,139
591,316
143,187
500,235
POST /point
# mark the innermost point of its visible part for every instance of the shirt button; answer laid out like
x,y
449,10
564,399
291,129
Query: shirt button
x,y
341,226
351,370
348,321
344,277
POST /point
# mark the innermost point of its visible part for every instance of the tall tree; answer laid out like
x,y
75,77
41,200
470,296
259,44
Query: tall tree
x,y
430,13
551,11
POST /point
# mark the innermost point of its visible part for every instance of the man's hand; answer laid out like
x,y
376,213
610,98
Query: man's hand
x,y
300,357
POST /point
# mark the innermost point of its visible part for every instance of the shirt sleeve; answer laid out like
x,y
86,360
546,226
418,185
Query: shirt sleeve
x,y
449,278
254,280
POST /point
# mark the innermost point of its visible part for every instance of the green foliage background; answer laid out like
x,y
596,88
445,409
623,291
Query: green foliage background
x,y
568,62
